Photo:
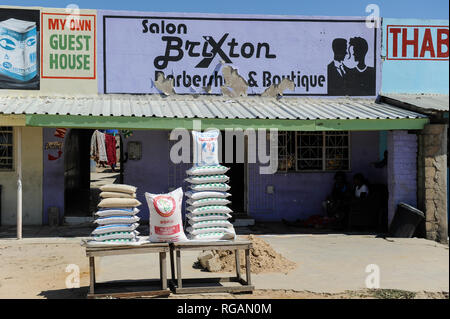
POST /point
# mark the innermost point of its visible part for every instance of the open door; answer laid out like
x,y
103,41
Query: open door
x,y
83,176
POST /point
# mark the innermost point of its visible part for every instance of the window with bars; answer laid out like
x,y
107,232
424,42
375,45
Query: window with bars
x,y
313,151
6,148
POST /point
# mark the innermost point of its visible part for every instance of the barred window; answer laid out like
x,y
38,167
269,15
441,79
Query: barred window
x,y
313,151
6,148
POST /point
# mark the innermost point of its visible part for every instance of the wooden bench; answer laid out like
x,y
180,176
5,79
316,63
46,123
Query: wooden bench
x,y
128,288
194,287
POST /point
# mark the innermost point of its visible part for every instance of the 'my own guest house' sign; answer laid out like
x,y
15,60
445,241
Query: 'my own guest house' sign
x,y
68,45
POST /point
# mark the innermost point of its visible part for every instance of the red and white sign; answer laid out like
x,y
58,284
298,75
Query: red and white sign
x,y
164,205
166,231
68,45
417,42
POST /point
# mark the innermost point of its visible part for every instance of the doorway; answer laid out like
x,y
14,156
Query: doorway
x,y
238,178
83,177
76,173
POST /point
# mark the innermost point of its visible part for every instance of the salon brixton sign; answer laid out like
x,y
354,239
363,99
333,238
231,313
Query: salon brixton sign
x,y
68,45
322,56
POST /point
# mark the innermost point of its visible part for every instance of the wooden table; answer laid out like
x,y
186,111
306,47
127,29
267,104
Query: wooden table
x,y
128,288
194,287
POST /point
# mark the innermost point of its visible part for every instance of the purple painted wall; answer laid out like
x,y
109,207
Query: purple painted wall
x,y
402,170
150,173
299,195
53,179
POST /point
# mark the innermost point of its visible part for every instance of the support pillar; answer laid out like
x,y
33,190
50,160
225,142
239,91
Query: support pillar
x,y
19,182
433,182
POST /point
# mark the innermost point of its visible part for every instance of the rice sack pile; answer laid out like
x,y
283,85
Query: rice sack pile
x,y
207,199
116,217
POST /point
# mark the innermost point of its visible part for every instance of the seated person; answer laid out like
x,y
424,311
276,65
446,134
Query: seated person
x,y
337,202
361,190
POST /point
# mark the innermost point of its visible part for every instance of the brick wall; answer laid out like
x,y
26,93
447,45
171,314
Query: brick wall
x,y
402,170
433,180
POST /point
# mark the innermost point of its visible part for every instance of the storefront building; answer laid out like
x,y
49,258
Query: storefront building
x,y
146,74
415,77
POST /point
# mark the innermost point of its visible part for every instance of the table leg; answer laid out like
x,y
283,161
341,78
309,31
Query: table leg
x,y
238,264
247,266
160,269
163,270
179,281
172,265
92,274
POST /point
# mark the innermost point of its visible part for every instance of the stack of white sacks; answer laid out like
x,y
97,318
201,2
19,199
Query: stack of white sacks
x,y
206,204
116,217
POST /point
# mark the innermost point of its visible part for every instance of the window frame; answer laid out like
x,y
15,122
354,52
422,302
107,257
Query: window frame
x,y
323,159
5,130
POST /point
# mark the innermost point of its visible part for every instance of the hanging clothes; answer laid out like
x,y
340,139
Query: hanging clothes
x,y
98,147
110,142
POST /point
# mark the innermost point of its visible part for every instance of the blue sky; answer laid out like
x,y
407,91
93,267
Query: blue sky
x,y
429,9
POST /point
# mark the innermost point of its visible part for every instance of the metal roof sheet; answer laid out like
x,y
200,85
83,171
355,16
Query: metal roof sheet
x,y
427,102
205,107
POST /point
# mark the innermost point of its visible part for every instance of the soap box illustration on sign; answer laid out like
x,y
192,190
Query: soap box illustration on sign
x,y
18,49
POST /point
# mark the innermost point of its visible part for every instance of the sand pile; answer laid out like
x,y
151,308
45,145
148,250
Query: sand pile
x,y
263,258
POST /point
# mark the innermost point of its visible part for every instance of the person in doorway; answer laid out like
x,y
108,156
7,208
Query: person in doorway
x,y
110,141
361,190
337,203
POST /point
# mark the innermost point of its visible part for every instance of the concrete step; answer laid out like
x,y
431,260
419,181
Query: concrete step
x,y
76,220
243,222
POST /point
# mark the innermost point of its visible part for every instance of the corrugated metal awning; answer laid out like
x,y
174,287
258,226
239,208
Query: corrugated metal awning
x,y
205,107
109,108
422,102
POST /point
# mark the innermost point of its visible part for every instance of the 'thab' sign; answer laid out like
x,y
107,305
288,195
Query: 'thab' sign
x,y
415,42
68,46
321,56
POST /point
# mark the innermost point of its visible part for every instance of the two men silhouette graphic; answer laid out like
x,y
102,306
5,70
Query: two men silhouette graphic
x,y
348,73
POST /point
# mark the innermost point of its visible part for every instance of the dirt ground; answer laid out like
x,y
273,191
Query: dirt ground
x,y
291,294
40,270
263,258
30,269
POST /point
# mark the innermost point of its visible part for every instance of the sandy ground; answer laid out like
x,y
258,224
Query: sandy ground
x,y
29,269
414,268
291,294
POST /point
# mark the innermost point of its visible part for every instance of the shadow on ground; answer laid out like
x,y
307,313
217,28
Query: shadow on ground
x,y
116,289
260,228
282,228
68,293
